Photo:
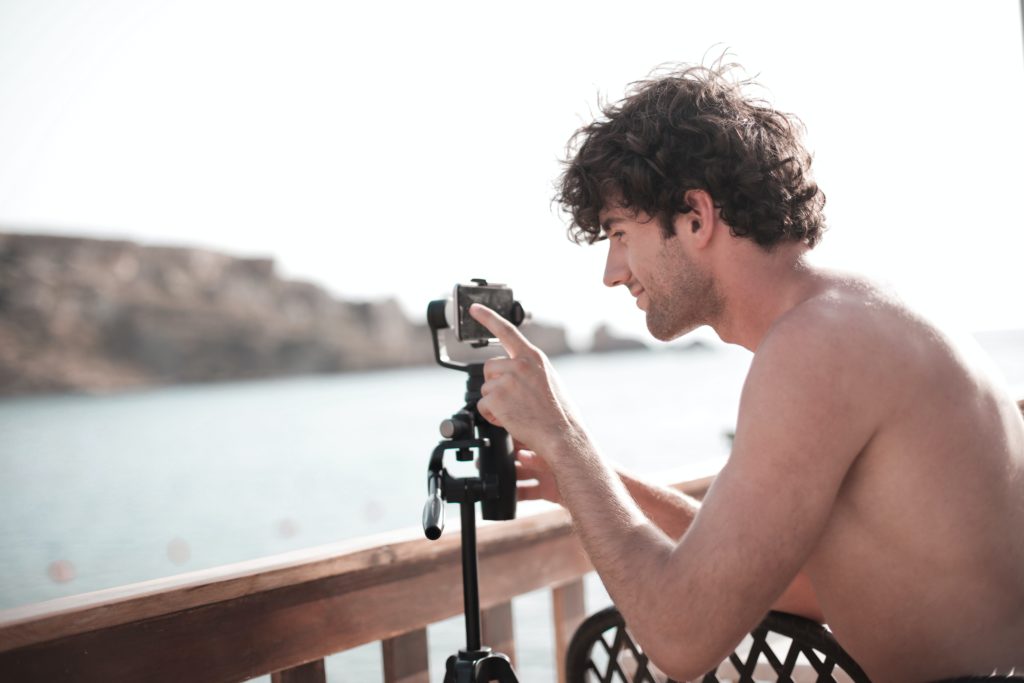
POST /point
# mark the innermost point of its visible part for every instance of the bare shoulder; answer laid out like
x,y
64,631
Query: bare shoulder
x,y
852,318
826,377
850,344
853,349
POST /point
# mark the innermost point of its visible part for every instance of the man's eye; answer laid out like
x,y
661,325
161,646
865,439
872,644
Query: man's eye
x,y
617,235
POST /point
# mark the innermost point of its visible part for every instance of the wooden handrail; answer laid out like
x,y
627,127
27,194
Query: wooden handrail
x,y
289,611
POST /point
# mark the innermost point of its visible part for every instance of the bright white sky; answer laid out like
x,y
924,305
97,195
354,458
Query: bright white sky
x,y
391,149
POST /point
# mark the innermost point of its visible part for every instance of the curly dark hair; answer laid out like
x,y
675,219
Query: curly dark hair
x,y
694,128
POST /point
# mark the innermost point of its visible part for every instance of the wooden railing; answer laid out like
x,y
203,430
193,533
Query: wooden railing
x,y
283,615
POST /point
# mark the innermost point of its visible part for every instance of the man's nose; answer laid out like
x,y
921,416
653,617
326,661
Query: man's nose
x,y
616,272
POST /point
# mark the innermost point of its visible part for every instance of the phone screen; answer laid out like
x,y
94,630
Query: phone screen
x,y
496,297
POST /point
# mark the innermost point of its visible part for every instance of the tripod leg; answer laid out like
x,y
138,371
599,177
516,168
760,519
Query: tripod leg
x,y
459,670
495,667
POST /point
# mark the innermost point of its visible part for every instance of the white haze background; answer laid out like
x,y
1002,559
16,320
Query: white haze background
x,y
390,149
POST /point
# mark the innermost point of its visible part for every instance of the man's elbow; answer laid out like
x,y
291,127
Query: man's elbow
x,y
685,659
680,667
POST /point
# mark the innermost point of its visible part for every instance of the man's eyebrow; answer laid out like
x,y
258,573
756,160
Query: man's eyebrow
x,y
607,224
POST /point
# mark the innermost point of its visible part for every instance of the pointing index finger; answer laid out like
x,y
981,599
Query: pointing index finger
x,y
510,337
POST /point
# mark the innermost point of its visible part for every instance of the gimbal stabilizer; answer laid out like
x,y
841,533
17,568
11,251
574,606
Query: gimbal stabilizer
x,y
494,488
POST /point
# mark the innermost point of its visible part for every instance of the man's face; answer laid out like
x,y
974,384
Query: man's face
x,y
676,293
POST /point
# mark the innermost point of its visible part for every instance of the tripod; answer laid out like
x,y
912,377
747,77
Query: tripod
x,y
494,488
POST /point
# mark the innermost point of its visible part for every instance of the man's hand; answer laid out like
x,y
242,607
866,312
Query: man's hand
x,y
534,480
520,392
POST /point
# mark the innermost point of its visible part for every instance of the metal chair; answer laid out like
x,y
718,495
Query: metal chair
x,y
784,647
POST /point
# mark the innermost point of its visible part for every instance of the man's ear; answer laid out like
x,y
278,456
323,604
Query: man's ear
x,y
699,223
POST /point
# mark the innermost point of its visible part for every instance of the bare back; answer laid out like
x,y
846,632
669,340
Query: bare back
x,y
920,567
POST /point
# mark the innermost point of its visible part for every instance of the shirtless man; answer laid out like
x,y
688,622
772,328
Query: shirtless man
x,y
876,481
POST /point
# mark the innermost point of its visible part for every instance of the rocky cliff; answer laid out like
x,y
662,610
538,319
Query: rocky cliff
x,y
606,341
97,315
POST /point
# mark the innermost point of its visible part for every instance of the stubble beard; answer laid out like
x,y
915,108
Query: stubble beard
x,y
682,301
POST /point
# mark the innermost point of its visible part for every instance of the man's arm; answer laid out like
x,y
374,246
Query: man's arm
x,y
690,602
671,511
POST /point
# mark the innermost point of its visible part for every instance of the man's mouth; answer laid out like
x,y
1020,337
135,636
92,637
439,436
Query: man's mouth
x,y
636,294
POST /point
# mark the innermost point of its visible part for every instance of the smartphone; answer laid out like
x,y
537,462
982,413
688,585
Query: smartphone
x,y
496,297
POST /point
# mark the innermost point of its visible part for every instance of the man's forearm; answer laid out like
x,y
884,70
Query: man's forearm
x,y
625,544
670,510
611,509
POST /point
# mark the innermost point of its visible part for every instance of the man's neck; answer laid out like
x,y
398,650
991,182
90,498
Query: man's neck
x,y
759,287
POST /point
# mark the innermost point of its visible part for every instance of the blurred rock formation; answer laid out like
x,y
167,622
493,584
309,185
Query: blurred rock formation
x,y
605,341
82,314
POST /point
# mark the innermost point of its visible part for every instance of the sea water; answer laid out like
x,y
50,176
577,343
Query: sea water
x,y
101,491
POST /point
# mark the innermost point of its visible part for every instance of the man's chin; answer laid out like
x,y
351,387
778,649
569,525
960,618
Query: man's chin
x,y
663,330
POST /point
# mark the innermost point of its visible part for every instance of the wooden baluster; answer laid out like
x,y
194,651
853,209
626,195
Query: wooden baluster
x,y
405,658
496,630
311,672
569,611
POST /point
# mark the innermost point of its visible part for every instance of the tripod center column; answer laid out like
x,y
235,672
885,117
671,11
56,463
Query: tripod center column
x,y
470,586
